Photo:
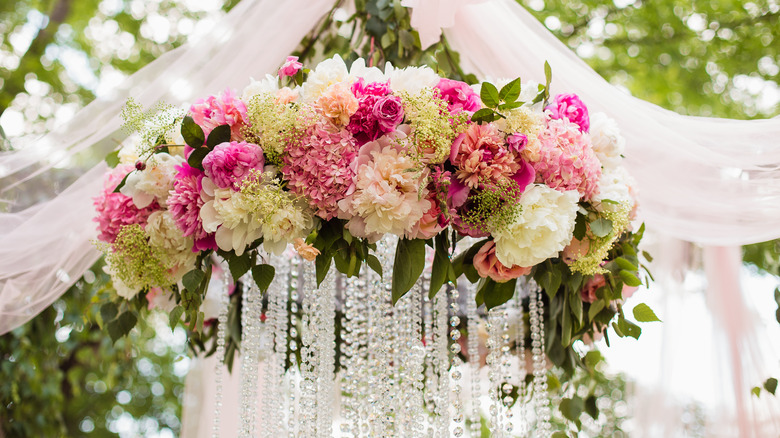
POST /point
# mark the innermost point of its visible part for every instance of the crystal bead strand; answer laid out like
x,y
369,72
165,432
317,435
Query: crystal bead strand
x,y
268,425
349,426
278,317
441,362
309,331
411,355
222,320
382,337
475,416
506,370
431,378
326,353
293,375
520,346
540,398
494,325
250,320
455,369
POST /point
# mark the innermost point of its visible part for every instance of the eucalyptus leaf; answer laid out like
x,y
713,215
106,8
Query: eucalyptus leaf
x,y
601,227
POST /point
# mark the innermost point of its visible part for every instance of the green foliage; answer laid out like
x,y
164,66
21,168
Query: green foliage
x,y
63,376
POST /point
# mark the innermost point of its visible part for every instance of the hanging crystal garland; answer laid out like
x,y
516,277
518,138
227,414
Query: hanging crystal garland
x,y
441,364
520,346
494,325
350,349
325,338
455,371
293,372
475,416
222,320
251,311
541,399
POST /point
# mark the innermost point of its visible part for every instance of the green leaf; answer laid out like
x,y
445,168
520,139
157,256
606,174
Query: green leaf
x,y
108,312
549,278
630,279
196,157
489,95
175,316
595,307
263,275
601,227
409,264
575,303
193,279
495,294
580,226
566,325
374,264
122,183
121,325
112,159
571,408
756,391
628,328
771,385
510,106
626,264
559,434
643,313
486,115
220,134
591,408
647,256
511,91
192,133
438,276
239,265
547,75
322,266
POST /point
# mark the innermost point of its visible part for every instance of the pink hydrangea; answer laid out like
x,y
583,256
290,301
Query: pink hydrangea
x,y
570,107
229,163
185,202
369,122
291,66
223,110
567,160
320,170
115,210
459,96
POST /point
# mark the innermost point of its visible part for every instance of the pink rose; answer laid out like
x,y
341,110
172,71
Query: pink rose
x,y
429,225
588,292
487,265
389,112
569,106
459,96
516,142
291,66
229,163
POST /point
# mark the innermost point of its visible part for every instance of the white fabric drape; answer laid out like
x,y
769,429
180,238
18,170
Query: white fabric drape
x,y
45,248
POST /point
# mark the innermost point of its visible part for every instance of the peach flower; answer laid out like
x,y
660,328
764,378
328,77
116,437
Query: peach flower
x,y
588,291
306,251
285,96
487,265
576,249
338,103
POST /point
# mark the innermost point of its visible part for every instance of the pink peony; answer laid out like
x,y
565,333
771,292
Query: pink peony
x,y
223,110
480,156
588,292
387,196
319,169
567,161
115,210
185,202
291,66
365,124
570,107
487,265
229,163
338,104
459,96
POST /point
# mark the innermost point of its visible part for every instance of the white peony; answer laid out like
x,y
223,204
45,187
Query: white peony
x,y
165,235
411,79
543,227
285,225
269,84
614,185
231,217
607,142
328,72
128,154
369,74
154,182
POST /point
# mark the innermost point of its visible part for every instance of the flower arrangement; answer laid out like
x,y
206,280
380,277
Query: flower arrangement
x,y
500,182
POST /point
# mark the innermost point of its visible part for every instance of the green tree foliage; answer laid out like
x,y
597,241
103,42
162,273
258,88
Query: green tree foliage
x,y
703,57
63,377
